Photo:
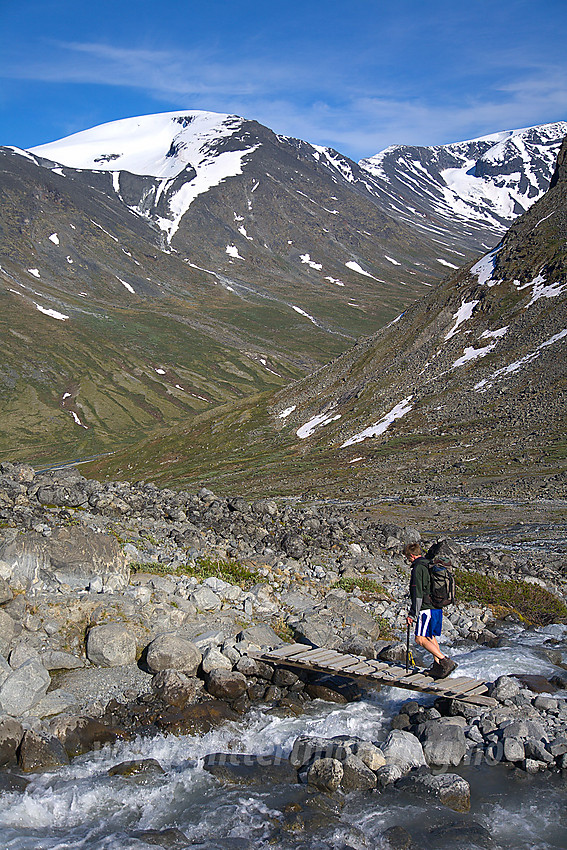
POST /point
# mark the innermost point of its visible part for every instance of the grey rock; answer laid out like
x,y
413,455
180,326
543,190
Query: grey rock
x,y
23,688
450,789
403,750
505,687
176,688
5,592
307,748
111,645
394,652
171,839
204,599
545,703
171,652
8,631
11,734
325,774
356,775
389,774
261,635
536,750
513,750
213,659
53,703
71,555
53,659
371,755
443,743
524,729
40,752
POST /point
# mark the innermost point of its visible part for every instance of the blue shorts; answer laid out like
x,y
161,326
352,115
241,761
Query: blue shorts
x,y
429,623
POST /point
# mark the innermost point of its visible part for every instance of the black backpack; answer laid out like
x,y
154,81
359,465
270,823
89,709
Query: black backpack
x,y
442,583
441,577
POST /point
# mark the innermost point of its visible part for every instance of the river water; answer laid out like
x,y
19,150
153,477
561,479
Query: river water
x,y
81,807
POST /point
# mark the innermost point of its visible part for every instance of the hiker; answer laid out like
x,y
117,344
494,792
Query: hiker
x,y
427,615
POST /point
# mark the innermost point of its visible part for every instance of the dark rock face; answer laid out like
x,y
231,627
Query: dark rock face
x,y
195,719
11,734
38,752
242,769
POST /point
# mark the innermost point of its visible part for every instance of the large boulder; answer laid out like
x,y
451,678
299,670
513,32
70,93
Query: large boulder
x,y
403,750
444,743
172,652
248,769
111,645
23,688
176,688
356,775
71,555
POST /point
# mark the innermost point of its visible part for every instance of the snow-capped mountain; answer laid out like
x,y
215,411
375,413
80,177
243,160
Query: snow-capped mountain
x,y
469,191
155,267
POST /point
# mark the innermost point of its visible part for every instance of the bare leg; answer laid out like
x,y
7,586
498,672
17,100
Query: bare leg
x,y
431,645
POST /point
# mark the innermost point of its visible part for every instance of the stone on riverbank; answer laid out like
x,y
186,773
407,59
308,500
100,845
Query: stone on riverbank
x,y
171,652
111,645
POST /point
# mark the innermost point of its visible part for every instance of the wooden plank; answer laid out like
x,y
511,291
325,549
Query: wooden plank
x,y
286,651
479,688
319,656
461,690
477,699
341,663
360,668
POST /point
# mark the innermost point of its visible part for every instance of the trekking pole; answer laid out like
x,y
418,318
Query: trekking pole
x,y
407,648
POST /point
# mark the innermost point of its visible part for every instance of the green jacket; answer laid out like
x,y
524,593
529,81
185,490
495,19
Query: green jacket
x,y
420,586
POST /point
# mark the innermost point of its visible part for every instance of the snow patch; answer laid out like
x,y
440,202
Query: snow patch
x,y
34,272
495,334
463,314
53,313
335,280
127,285
484,268
287,412
54,238
357,268
305,258
303,313
232,251
317,422
541,291
383,424
486,383
471,353
445,263
242,231
160,371
391,260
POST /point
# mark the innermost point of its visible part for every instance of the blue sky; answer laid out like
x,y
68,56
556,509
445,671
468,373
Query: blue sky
x,y
356,75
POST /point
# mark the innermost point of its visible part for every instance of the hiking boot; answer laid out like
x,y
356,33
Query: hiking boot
x,y
435,671
446,667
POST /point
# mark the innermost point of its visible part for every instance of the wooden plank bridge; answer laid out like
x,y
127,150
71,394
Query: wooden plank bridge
x,y
321,660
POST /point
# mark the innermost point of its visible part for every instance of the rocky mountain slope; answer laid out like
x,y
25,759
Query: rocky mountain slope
x,y
464,391
467,192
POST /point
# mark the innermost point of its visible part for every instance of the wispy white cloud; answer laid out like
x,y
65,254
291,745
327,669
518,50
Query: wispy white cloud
x,y
321,101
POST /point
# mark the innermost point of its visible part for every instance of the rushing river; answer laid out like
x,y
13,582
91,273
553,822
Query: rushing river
x,y
82,807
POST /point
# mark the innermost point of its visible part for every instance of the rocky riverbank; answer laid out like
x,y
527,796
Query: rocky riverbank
x,y
127,610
